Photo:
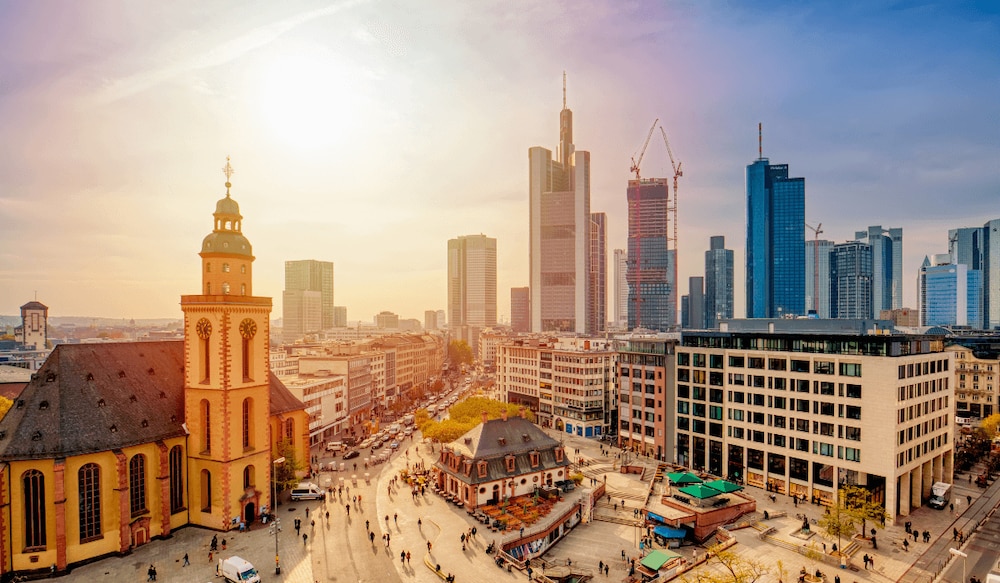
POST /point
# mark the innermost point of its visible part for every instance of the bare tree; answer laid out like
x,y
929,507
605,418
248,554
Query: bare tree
x,y
727,566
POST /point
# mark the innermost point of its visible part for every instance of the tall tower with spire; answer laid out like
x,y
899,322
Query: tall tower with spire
x,y
560,231
226,378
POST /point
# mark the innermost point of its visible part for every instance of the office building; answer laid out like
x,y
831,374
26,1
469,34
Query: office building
x,y
979,249
906,317
949,294
685,317
696,303
317,276
718,282
652,289
851,281
775,261
579,399
965,245
559,262
520,309
302,314
387,320
800,406
472,286
646,394
340,316
818,277
887,266
598,281
621,288
430,320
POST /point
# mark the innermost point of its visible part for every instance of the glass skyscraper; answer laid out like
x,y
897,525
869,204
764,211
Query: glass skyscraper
x,y
979,249
775,261
652,291
718,282
887,267
851,281
949,294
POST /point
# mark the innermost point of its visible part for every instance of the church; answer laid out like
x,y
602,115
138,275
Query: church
x,y
112,445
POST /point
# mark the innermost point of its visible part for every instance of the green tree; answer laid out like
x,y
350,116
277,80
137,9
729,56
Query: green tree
x,y
858,502
838,523
286,473
729,567
471,410
447,430
459,352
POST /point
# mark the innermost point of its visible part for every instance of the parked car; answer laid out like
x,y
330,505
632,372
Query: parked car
x,y
394,445
351,454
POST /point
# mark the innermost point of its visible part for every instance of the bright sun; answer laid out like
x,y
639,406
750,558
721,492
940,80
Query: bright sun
x,y
308,101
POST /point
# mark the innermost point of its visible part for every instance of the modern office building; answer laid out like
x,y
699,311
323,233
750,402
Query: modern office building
x,y
775,261
621,288
472,286
317,276
887,266
598,280
520,309
965,245
430,320
559,203
818,277
979,248
800,406
949,294
718,282
652,289
569,383
696,303
646,394
851,281
302,314
340,316
387,320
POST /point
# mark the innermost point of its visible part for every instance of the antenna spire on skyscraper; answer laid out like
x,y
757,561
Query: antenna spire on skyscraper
x,y
564,89
760,141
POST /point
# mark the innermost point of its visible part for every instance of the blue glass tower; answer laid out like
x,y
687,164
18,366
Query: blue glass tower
x,y
776,263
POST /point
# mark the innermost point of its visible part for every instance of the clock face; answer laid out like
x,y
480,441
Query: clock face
x,y
204,329
248,328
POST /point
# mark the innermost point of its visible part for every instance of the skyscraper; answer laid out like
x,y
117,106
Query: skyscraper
x,y
949,294
621,288
965,245
718,282
887,266
430,320
598,281
979,249
818,278
775,273
306,283
851,281
696,302
652,291
472,286
559,201
340,316
520,309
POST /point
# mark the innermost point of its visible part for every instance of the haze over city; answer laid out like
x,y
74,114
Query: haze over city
x,y
369,133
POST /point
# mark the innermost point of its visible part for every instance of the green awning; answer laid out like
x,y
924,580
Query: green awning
x,y
682,478
657,558
699,491
724,486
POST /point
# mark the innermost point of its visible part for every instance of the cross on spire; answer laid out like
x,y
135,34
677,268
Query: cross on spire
x,y
228,171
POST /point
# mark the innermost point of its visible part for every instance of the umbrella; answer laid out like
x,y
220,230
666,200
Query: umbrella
x,y
700,491
681,478
724,486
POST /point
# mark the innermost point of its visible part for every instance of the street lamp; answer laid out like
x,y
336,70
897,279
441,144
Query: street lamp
x,y
274,521
964,556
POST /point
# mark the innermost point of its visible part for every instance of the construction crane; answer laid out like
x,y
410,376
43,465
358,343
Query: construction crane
x,y
817,230
672,204
642,152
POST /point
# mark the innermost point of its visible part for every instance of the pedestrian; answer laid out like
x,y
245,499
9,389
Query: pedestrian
x,y
407,558
951,506
223,544
954,534
916,533
387,539
600,565
371,537
402,557
328,515
151,574
906,544
836,579
419,523
210,553
623,554
348,506
215,542
605,569
395,518
969,500
307,512
387,520
428,546
186,561
865,559
824,548
366,526
305,537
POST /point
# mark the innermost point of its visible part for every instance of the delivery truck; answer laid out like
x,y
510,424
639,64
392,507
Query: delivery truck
x,y
940,495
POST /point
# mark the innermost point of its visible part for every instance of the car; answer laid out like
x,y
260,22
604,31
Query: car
x,y
408,431
394,445
352,454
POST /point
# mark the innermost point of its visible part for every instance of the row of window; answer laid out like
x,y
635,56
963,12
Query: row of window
x,y
922,368
715,361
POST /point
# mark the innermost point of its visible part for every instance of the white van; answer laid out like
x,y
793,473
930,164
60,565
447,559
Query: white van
x,y
238,570
307,491
335,446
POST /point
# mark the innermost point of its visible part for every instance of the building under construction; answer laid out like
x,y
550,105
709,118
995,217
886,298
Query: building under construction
x,y
652,260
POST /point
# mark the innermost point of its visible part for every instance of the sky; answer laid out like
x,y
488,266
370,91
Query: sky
x,y
369,132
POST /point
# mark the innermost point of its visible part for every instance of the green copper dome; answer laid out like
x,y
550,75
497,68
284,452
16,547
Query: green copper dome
x,y
230,242
227,206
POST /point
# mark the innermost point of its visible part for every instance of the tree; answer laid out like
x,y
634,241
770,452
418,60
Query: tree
x,y
447,430
459,352
838,524
471,410
730,567
286,473
5,405
858,502
990,425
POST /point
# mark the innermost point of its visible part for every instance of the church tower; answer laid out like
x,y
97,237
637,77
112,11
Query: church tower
x,y
226,379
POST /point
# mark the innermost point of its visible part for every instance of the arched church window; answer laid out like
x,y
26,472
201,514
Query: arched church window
x,y
137,484
33,483
89,487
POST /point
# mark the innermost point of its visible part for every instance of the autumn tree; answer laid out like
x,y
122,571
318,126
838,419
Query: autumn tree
x,y
727,566
447,430
838,524
459,352
5,405
990,425
858,502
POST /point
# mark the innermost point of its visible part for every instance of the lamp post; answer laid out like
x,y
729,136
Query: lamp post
x,y
274,521
964,556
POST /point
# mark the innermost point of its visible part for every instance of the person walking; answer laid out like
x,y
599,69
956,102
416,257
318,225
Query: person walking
x,y
395,518
428,546
371,537
186,561
407,558
305,537
151,573
402,557
366,526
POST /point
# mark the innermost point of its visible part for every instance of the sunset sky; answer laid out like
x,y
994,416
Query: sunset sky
x,y
368,133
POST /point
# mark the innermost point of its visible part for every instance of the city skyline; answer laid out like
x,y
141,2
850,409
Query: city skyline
x,y
119,117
